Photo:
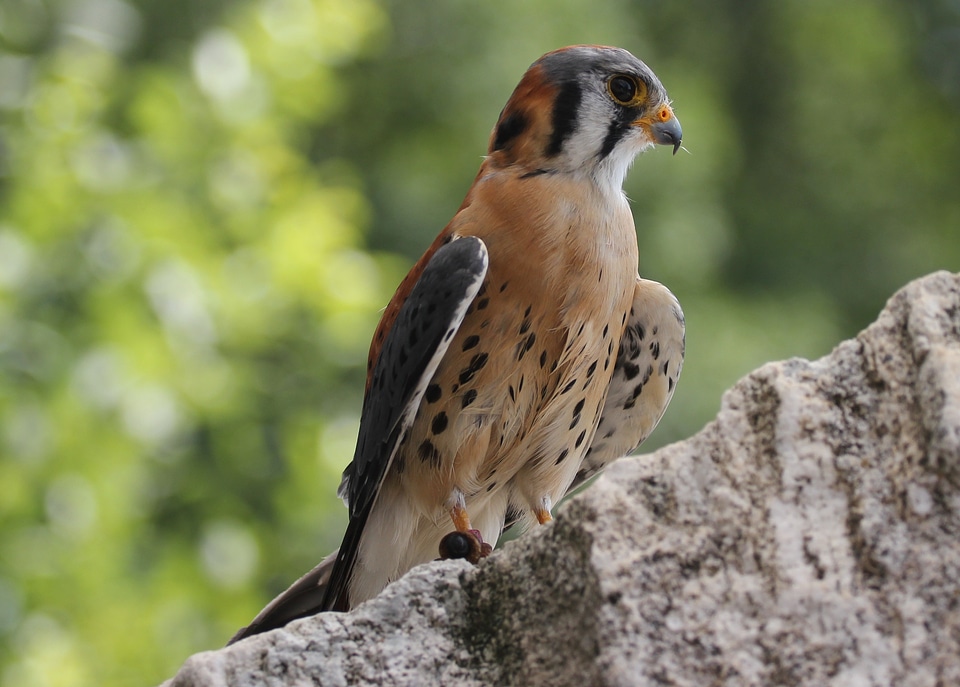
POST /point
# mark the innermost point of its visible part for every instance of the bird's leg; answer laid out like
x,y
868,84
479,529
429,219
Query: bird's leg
x,y
465,541
542,511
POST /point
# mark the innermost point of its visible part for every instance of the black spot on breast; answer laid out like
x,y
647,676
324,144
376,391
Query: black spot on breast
x,y
669,383
439,423
513,394
569,386
577,410
503,286
476,364
509,127
563,454
630,370
525,346
634,395
491,486
433,393
468,398
470,342
524,326
428,453
655,349
483,303
592,368
580,439
543,359
606,330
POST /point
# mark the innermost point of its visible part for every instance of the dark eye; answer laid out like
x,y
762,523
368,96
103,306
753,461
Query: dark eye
x,y
623,89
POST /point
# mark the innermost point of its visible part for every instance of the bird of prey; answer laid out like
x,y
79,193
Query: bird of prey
x,y
523,352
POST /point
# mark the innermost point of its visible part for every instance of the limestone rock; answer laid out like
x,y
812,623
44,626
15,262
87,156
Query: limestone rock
x,y
810,535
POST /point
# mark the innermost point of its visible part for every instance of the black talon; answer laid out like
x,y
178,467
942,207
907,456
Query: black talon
x,y
456,545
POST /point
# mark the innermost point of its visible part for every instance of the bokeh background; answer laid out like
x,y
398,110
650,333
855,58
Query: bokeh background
x,y
204,205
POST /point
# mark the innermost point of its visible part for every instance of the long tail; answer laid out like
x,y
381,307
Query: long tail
x,y
303,598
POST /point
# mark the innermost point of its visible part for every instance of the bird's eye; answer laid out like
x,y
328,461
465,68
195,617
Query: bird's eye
x,y
623,89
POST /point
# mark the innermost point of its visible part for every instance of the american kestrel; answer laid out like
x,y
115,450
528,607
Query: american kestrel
x,y
523,352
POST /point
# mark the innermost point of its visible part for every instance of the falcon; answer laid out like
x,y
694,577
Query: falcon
x,y
523,352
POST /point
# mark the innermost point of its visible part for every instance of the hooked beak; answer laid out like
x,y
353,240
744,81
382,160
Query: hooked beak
x,y
667,133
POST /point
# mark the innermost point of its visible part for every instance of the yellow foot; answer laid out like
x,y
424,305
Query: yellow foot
x,y
461,520
465,542
543,510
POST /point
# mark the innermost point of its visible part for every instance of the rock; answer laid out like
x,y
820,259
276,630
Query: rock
x,y
810,535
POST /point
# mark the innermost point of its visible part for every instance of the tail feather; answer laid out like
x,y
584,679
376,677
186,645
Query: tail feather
x,y
303,598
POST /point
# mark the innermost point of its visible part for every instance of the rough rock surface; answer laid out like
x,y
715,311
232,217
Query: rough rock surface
x,y
810,535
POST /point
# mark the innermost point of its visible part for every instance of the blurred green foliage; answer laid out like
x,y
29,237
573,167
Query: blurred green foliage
x,y
203,206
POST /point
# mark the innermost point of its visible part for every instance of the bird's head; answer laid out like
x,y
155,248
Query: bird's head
x,y
585,108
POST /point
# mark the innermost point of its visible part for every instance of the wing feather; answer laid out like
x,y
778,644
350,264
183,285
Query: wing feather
x,y
424,327
421,332
298,601
645,376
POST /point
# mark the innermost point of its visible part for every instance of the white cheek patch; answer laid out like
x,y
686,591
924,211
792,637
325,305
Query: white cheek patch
x,y
582,150
593,124
613,169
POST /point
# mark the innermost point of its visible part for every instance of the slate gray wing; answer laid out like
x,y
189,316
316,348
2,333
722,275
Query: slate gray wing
x,y
427,322
412,349
645,376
